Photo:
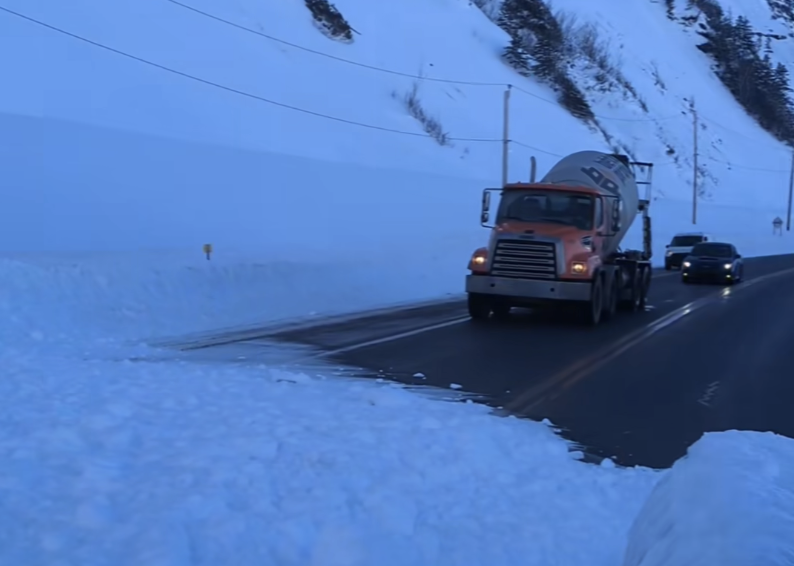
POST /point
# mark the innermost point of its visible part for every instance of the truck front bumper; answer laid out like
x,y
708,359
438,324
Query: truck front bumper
x,y
528,291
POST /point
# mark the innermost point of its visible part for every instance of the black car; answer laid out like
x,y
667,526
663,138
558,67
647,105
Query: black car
x,y
713,261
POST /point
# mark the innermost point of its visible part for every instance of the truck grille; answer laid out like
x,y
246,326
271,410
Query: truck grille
x,y
524,260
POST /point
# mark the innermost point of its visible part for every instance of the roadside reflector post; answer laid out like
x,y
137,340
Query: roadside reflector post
x,y
208,250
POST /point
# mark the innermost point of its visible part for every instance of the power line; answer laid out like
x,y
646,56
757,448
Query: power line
x,y
232,89
527,146
741,135
748,168
326,116
400,73
329,56
533,148
609,118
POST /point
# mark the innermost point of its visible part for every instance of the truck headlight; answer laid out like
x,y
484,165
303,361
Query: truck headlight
x,y
728,265
687,264
478,260
578,267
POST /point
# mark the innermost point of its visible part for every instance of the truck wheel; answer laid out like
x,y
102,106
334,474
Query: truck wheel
x,y
479,306
633,302
612,300
501,311
592,309
645,277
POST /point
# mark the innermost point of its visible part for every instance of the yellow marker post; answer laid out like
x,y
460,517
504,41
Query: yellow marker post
x,y
208,250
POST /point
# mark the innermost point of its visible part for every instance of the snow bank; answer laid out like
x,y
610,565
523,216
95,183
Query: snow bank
x,y
106,298
730,501
158,462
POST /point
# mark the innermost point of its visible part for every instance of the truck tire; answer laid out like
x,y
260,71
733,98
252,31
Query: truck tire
x,y
645,277
501,311
479,306
632,304
594,308
612,298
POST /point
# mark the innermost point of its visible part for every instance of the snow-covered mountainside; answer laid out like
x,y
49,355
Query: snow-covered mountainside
x,y
231,88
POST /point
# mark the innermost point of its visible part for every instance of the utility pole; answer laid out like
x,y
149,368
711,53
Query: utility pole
x,y
506,135
695,160
790,192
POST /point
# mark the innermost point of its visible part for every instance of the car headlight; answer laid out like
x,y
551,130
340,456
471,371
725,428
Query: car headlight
x,y
687,264
728,265
669,253
578,267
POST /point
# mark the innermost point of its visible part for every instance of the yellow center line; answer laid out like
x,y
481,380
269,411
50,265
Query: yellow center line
x,y
565,379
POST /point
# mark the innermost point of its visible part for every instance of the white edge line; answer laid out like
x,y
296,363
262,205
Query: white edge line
x,y
390,338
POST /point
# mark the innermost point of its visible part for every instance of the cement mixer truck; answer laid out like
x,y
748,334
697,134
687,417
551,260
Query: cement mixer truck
x,y
556,243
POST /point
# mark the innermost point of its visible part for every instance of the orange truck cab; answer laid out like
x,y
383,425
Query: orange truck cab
x,y
557,241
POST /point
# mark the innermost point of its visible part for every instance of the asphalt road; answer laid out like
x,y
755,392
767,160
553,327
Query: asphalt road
x,y
639,389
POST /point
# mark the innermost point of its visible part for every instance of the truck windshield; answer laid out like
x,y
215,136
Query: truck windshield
x,y
685,241
555,207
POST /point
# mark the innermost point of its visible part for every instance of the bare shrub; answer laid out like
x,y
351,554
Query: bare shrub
x,y
657,78
430,125
584,41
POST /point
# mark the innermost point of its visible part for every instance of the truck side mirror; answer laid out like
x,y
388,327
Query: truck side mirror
x,y
485,214
617,208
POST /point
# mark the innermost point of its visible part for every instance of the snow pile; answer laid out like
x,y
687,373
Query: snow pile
x,y
131,463
730,501
80,298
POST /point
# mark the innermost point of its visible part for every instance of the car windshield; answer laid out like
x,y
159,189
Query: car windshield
x,y
555,207
686,241
712,250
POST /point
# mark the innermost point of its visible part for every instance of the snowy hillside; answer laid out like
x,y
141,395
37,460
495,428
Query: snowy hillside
x,y
279,86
